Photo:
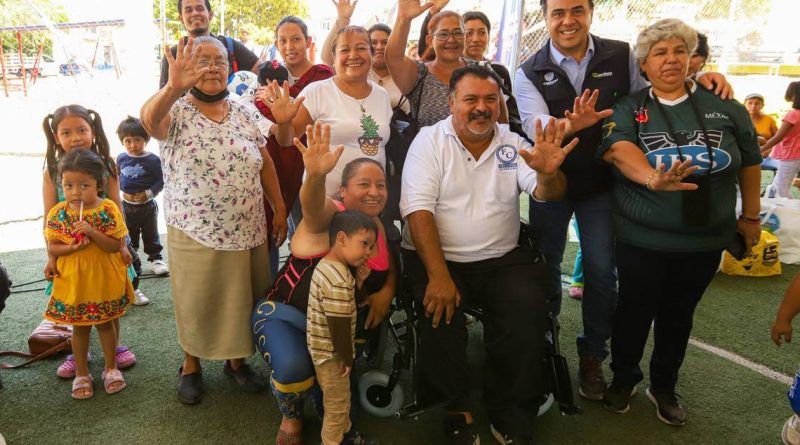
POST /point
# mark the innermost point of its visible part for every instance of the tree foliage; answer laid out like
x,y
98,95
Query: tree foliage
x,y
20,13
259,17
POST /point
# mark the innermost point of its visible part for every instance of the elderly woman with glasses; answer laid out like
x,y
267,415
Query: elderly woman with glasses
x,y
216,173
426,84
679,152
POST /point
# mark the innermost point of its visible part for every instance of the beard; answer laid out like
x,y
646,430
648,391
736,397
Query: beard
x,y
197,32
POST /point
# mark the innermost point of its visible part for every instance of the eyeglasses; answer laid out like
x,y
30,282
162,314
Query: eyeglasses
x,y
443,36
202,63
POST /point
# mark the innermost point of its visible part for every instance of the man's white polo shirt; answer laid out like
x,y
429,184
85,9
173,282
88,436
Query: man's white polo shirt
x,y
475,202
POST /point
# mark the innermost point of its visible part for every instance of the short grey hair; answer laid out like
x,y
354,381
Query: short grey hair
x,y
663,30
205,40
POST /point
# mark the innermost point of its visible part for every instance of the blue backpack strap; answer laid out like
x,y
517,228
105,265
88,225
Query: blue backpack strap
x,y
231,58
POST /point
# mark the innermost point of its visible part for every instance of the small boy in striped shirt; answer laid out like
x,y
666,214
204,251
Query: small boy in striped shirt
x,y
331,319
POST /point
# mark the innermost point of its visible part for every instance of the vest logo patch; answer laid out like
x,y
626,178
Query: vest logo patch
x,y
717,115
661,149
550,78
601,75
507,156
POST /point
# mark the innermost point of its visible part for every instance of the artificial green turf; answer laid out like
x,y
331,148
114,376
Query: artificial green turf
x,y
727,403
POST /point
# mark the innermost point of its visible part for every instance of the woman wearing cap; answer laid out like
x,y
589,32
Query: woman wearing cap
x,y
672,221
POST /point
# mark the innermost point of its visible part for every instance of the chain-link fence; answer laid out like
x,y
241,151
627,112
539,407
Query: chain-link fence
x,y
748,39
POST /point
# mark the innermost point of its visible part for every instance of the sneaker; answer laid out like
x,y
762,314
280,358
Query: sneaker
x,y
790,435
459,431
592,382
576,292
669,409
507,439
160,267
617,398
140,299
354,437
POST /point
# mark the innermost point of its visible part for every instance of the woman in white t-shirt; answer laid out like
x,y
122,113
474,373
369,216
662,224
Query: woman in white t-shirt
x,y
357,109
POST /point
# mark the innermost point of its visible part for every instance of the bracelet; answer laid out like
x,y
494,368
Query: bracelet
x,y
650,178
749,220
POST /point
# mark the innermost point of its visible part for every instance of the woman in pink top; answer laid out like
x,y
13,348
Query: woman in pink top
x,y
279,319
786,145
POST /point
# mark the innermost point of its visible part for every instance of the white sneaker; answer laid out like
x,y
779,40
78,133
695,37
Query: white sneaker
x,y
791,431
160,267
140,299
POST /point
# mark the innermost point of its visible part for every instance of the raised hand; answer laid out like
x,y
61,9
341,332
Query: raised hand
x,y
547,155
411,9
183,70
345,8
279,101
670,181
438,5
583,114
318,158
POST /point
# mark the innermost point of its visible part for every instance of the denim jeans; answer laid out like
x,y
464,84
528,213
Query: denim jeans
x,y
549,221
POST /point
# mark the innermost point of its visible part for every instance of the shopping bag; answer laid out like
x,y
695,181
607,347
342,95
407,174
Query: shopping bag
x,y
763,261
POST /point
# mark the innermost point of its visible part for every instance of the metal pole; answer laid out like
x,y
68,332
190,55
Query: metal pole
x,y
222,18
22,64
517,8
163,22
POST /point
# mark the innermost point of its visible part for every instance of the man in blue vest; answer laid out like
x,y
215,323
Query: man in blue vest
x,y
550,84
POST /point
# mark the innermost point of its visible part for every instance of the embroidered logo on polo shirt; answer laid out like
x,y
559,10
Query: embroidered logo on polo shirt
x,y
507,156
550,78
601,75
717,115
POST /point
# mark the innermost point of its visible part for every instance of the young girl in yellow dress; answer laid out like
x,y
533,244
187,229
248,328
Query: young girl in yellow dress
x,y
93,287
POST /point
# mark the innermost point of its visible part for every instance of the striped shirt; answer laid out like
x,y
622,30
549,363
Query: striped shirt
x,y
331,295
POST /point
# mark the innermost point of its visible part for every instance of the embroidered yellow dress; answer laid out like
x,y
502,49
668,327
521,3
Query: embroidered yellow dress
x,y
93,286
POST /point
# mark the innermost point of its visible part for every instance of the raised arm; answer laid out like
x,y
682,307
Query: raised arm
x,y
404,70
546,158
344,11
183,75
290,116
319,160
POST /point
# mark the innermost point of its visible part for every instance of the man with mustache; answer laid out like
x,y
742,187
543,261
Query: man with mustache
x,y
549,84
196,17
460,200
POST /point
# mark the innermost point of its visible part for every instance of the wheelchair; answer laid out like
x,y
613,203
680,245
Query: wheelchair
x,y
380,393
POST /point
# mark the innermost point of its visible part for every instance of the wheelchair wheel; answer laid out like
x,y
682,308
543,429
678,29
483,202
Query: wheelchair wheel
x,y
375,398
545,406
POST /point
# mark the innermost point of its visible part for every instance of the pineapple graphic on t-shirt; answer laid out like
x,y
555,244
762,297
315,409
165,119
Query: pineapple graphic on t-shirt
x,y
369,140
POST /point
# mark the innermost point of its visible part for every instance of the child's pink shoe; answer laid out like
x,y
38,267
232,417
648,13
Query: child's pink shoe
x,y
124,357
67,369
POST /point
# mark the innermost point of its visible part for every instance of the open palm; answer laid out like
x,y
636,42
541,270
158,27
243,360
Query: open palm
x,y
411,9
547,155
183,70
279,102
318,158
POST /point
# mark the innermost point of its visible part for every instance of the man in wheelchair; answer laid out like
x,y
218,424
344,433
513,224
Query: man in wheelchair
x,y
460,199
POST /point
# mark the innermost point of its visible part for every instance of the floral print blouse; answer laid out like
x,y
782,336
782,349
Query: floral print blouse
x,y
212,185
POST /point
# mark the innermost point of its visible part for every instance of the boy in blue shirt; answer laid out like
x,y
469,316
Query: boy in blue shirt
x,y
140,180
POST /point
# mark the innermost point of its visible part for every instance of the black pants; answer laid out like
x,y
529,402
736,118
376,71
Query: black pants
x,y
509,289
663,289
142,219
